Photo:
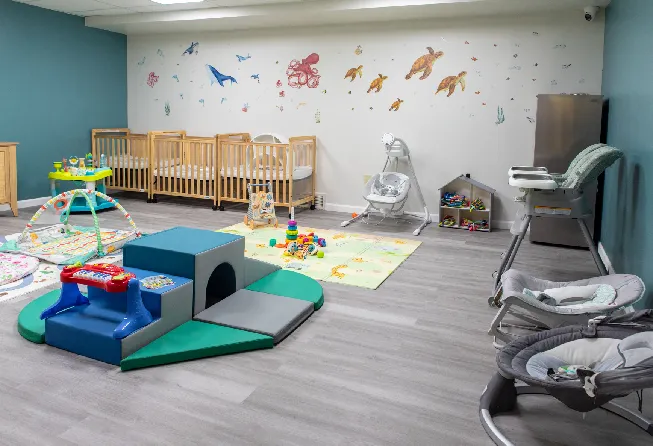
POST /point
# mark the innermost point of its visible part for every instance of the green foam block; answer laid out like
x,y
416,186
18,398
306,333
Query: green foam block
x,y
30,325
194,340
291,284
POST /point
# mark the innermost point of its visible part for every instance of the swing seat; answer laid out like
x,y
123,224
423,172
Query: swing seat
x,y
387,188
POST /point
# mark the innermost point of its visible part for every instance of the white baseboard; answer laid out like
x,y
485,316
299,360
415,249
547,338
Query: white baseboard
x,y
334,207
32,202
605,259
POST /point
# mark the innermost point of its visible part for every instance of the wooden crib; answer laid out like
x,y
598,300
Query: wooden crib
x,y
182,166
289,167
127,154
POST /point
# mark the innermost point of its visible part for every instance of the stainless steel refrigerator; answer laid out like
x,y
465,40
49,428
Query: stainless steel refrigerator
x,y
565,125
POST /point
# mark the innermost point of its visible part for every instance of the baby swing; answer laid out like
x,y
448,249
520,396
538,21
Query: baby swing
x,y
387,192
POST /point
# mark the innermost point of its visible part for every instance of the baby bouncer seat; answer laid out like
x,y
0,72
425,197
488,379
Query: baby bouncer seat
x,y
387,191
585,367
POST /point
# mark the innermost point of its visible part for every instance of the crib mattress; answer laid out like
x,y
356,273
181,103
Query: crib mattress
x,y
203,173
127,162
299,173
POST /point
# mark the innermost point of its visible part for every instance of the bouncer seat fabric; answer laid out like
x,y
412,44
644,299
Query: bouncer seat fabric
x,y
603,294
387,188
617,350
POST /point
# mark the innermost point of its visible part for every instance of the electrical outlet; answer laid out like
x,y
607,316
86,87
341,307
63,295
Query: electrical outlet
x,y
366,178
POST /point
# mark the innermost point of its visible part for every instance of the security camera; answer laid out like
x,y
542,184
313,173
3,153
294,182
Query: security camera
x,y
591,12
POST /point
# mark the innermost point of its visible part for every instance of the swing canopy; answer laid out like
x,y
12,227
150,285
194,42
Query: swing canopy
x,y
66,244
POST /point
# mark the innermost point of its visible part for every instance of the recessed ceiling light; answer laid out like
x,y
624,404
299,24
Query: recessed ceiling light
x,y
174,2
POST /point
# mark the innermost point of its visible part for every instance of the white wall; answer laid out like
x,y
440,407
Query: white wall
x,y
448,135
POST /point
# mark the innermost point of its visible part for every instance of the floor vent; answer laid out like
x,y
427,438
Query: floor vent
x,y
320,201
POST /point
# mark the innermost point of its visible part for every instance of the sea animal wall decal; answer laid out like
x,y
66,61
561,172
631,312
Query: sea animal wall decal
x,y
352,72
245,107
279,84
396,104
359,50
201,101
500,116
280,107
243,58
152,79
222,100
174,76
192,49
450,83
566,66
142,61
160,52
282,94
377,84
256,78
218,77
474,59
317,117
166,108
302,73
424,64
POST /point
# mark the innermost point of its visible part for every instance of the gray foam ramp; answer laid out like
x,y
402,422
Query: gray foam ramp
x,y
268,314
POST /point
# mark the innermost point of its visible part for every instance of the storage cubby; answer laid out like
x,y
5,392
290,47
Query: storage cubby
x,y
463,209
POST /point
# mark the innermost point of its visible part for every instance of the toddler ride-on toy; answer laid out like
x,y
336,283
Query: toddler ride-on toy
x,y
261,207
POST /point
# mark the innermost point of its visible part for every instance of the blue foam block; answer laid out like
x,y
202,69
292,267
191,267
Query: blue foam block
x,y
88,330
173,251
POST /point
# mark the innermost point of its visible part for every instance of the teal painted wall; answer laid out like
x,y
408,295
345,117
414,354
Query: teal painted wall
x,y
58,80
627,234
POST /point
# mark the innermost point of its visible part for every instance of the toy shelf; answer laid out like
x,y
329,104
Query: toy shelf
x,y
472,190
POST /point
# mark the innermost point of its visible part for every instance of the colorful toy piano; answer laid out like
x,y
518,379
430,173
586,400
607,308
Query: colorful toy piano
x,y
109,279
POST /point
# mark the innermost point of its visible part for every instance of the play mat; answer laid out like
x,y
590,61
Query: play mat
x,y
16,266
45,275
363,260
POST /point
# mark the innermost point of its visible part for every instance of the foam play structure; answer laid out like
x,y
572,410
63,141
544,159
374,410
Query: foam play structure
x,y
182,294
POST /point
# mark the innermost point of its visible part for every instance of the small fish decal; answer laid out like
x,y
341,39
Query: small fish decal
x,y
166,108
536,64
554,82
152,79
495,45
218,77
192,49
535,33
317,117
181,95
512,99
515,55
243,58
507,78
564,67
531,120
323,91
174,76
527,110
202,102
279,84
280,107
282,94
349,92
477,92
474,59
534,80
256,77
562,46
245,107
359,50
301,104
142,61
466,42
160,53
582,81
222,100
515,67
396,104
371,108
484,103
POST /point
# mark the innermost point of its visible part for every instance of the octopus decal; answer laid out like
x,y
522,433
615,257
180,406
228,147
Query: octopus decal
x,y
302,73
152,79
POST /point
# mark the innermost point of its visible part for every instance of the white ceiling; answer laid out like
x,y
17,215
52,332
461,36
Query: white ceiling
x,y
146,17
88,8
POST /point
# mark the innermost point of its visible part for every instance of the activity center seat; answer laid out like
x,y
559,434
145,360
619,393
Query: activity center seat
x,y
182,294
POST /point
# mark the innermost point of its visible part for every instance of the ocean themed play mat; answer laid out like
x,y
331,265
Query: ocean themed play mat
x,y
363,260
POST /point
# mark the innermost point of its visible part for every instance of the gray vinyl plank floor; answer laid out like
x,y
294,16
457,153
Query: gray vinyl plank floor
x,y
401,365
